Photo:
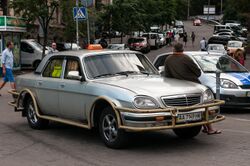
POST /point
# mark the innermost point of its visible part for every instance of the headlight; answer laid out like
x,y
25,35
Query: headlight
x,y
224,83
207,96
145,102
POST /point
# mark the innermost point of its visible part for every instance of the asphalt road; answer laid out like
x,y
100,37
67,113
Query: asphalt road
x,y
62,145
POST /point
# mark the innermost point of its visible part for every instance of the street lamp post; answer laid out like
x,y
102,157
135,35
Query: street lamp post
x,y
77,29
208,12
188,5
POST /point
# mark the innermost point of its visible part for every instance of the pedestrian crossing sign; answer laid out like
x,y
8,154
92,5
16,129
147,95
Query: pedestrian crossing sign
x,y
79,13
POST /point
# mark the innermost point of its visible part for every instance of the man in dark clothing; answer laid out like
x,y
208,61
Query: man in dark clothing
x,y
180,66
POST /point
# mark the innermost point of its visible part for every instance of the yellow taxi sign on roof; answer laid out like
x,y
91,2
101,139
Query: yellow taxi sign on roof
x,y
94,47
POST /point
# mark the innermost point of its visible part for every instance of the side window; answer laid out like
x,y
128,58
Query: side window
x,y
54,68
72,66
26,48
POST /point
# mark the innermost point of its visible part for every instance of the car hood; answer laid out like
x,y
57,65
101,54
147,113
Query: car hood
x,y
155,86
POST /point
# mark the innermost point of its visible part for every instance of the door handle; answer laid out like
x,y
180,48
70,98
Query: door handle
x,y
62,85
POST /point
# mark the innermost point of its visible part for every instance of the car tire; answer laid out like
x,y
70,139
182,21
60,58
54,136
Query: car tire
x,y
109,132
187,133
33,120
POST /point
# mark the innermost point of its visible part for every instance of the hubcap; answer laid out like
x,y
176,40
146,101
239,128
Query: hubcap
x,y
32,114
109,127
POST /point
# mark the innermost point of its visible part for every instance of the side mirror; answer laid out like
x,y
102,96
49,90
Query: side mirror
x,y
74,75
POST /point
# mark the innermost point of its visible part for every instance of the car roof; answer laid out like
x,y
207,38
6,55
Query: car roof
x,y
81,54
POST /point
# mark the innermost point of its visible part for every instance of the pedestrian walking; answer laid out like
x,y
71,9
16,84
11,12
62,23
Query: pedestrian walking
x,y
7,66
203,44
54,48
185,38
180,66
193,38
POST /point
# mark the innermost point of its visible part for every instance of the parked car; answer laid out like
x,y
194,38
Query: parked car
x,y
115,92
221,27
139,44
162,39
118,47
224,34
234,46
31,53
224,30
221,39
197,22
179,24
216,48
234,79
153,39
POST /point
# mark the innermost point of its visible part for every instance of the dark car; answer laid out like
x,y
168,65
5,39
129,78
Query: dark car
x,y
222,39
139,44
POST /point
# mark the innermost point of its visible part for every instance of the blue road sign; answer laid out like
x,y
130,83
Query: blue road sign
x,y
80,13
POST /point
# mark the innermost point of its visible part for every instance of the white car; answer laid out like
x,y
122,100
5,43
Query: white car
x,y
235,78
31,52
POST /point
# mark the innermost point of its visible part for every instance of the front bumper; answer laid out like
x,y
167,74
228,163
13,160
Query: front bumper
x,y
159,119
234,101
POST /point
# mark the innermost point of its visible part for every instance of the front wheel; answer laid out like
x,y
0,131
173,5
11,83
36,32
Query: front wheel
x,y
34,121
189,132
109,132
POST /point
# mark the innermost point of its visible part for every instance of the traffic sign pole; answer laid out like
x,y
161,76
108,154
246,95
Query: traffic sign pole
x,y
86,5
77,28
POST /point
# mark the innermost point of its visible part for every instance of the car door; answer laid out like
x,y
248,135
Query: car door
x,y
72,91
27,54
47,86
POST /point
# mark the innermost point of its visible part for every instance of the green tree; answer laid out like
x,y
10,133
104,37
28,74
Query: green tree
x,y
40,10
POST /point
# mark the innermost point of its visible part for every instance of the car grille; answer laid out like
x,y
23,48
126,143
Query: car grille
x,y
245,86
181,100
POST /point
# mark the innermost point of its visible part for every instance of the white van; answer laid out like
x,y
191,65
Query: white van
x,y
31,52
221,27
153,39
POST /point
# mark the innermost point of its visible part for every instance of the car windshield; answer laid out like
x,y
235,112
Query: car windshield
x,y
117,64
235,44
212,63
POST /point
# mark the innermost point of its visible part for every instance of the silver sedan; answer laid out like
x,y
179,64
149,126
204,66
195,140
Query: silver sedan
x,y
114,91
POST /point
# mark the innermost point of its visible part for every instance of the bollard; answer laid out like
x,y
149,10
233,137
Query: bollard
x,y
218,84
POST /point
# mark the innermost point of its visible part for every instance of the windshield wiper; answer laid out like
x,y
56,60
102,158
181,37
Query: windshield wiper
x,y
145,72
126,72
103,75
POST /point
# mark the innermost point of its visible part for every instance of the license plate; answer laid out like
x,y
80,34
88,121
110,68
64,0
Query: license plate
x,y
188,117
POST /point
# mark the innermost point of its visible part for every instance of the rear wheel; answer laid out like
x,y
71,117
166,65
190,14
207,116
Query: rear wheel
x,y
109,132
34,121
189,132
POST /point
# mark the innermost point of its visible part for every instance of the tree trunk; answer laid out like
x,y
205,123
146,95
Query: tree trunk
x,y
45,41
121,37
